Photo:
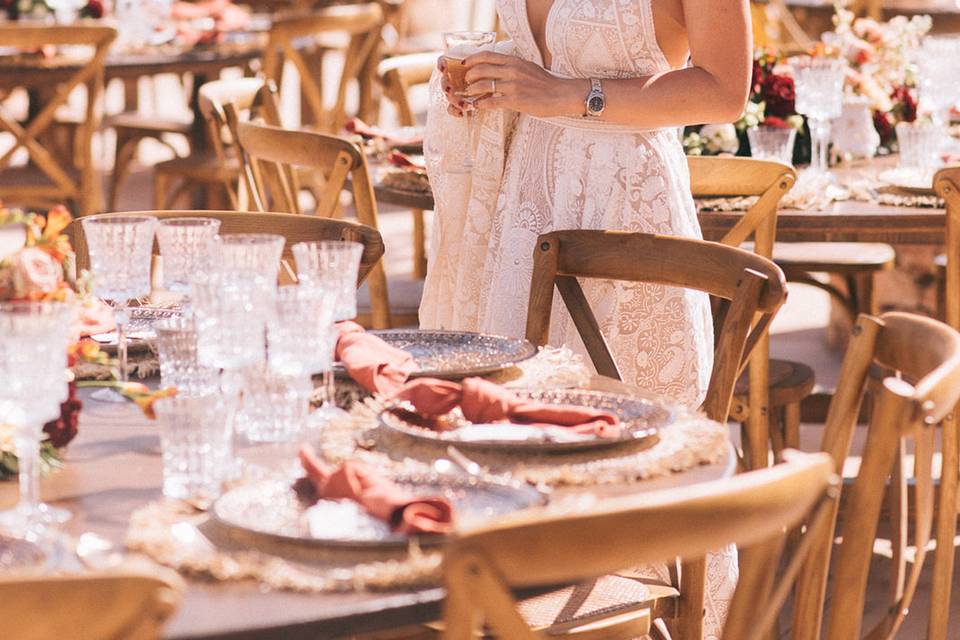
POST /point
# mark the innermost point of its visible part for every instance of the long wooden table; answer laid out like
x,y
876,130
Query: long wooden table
x,y
114,467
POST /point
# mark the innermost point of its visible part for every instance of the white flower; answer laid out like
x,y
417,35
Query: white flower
x,y
720,138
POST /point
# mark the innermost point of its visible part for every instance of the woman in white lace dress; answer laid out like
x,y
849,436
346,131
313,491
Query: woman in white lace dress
x,y
544,163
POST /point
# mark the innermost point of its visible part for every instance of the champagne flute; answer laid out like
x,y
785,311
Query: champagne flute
x,y
458,45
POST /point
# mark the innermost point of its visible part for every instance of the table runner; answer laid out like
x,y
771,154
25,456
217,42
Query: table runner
x,y
183,537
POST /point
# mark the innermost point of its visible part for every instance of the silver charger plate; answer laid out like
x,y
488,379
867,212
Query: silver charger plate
x,y
140,329
271,512
455,354
641,419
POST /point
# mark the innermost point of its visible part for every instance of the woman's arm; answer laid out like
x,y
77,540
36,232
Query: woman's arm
x,y
713,89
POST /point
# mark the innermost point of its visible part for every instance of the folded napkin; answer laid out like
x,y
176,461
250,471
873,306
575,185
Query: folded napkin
x,y
371,362
364,130
401,160
483,402
93,318
384,500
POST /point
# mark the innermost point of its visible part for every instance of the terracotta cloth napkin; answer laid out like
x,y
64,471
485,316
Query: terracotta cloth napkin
x,y
397,506
361,128
483,402
371,362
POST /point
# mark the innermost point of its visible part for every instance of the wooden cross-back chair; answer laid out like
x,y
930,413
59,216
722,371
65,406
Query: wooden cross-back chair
x,y
219,170
908,367
946,183
46,181
271,156
397,75
483,567
772,390
748,286
289,40
293,228
120,604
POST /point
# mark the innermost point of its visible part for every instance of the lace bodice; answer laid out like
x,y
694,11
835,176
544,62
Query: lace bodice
x,y
590,38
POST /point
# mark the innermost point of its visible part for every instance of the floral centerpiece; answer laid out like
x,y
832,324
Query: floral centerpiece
x,y
39,9
40,269
879,70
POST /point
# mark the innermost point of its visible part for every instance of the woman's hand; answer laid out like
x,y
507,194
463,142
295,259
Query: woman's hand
x,y
509,82
454,102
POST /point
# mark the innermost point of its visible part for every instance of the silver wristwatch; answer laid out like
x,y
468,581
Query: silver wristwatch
x,y
595,102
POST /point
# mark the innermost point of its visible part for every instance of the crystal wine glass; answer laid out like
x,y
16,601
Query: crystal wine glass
x,y
33,366
938,67
819,84
334,264
187,246
120,256
458,45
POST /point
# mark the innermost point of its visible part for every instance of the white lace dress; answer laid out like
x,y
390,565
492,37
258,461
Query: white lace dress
x,y
535,175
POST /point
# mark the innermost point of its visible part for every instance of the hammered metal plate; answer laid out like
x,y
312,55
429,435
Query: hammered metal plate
x,y
271,511
140,331
455,355
641,419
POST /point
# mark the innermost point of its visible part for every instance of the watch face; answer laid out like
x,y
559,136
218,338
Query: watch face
x,y
596,104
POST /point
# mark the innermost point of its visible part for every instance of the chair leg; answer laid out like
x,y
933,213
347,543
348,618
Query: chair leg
x,y
126,150
897,507
778,434
791,425
419,245
692,585
943,564
861,292
161,184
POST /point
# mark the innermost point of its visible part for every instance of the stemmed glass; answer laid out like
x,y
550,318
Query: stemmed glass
x,y
187,246
458,45
33,366
334,265
120,255
938,67
819,84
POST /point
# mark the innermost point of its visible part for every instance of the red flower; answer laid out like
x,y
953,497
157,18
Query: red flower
x,y
779,95
774,122
881,122
905,103
94,9
64,429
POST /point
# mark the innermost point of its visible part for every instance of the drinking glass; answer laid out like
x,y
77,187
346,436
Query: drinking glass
x,y
179,366
819,85
919,144
458,45
195,440
335,264
300,340
231,318
187,246
276,406
120,251
770,143
33,367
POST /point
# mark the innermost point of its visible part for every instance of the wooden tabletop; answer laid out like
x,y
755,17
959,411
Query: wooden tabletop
x,y
114,467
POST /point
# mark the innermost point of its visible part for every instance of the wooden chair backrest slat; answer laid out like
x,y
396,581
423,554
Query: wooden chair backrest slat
x,y
97,606
911,366
482,565
84,191
749,286
293,228
362,24
399,73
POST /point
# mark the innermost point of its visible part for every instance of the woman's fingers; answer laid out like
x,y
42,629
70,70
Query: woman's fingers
x,y
489,72
487,57
485,87
454,111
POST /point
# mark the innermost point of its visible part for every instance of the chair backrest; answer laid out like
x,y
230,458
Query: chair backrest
x,y
768,182
361,23
946,183
221,103
481,566
98,606
61,185
398,73
293,228
745,283
909,368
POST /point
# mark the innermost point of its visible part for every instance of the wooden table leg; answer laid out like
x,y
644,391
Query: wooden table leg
x,y
947,507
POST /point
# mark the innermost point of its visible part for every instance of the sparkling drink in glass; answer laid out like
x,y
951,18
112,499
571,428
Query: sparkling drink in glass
x,y
120,250
458,45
